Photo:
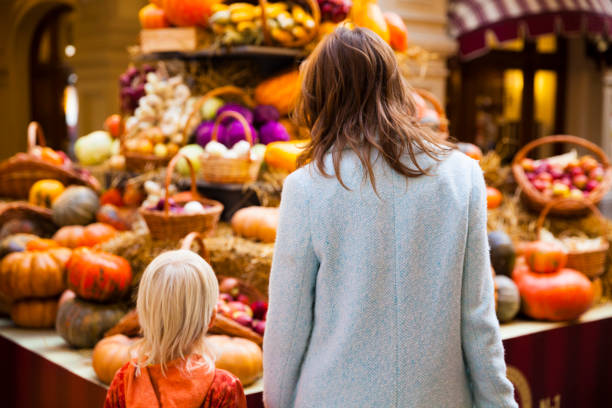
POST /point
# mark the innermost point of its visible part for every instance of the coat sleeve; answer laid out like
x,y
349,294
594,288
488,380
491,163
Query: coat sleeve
x,y
292,284
115,396
481,339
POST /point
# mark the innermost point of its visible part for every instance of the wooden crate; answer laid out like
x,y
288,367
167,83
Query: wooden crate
x,y
169,39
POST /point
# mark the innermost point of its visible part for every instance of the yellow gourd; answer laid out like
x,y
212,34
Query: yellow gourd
x,y
284,155
43,192
367,13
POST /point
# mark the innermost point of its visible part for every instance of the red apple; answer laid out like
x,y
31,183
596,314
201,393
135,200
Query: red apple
x,y
597,173
226,297
242,318
545,177
542,167
223,309
259,326
580,181
243,299
530,176
260,309
231,286
528,165
114,125
591,185
240,307
556,172
541,185
574,171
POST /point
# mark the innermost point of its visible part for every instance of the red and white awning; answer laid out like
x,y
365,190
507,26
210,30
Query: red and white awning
x,y
471,19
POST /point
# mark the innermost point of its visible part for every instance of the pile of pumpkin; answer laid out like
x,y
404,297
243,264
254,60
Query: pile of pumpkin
x,y
537,281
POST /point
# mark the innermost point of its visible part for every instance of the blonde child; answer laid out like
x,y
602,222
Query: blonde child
x,y
176,306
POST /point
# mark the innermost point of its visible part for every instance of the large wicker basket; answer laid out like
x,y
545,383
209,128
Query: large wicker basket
x,y
167,225
20,172
537,201
591,263
316,16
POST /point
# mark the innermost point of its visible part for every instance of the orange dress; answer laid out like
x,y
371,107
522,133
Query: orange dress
x,y
201,388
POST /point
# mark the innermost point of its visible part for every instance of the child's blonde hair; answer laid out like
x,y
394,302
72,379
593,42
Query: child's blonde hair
x,y
177,298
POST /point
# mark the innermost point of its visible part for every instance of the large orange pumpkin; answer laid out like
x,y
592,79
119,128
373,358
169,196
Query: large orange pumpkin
x,y
41,244
544,257
187,13
152,16
557,296
110,354
34,313
97,275
37,274
256,222
239,356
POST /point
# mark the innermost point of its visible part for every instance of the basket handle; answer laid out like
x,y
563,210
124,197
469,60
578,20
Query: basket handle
x,y
224,90
429,97
35,133
235,115
553,203
316,16
169,171
562,139
197,238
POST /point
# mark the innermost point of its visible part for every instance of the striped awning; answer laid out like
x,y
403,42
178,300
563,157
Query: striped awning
x,y
470,20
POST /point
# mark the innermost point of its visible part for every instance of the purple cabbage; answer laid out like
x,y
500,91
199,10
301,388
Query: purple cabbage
x,y
264,114
235,107
273,132
203,133
235,133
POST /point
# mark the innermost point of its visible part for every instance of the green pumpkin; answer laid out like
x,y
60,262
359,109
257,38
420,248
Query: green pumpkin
x,y
75,206
508,299
82,324
503,254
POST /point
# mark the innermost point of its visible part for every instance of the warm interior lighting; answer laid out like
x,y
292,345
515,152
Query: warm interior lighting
x,y
545,94
513,91
546,44
71,105
70,50
516,45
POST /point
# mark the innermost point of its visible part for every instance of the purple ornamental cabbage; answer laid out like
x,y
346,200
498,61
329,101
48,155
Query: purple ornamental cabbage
x,y
204,130
273,132
235,107
264,114
235,133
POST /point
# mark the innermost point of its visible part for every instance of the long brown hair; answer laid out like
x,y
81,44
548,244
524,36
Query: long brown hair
x,y
353,96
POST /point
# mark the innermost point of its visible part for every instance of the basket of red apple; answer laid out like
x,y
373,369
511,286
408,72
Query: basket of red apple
x,y
19,173
586,178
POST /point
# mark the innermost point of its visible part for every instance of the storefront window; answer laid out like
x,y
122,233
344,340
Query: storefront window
x,y
546,44
545,97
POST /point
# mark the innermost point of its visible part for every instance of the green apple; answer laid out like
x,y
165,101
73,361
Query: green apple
x,y
210,107
193,152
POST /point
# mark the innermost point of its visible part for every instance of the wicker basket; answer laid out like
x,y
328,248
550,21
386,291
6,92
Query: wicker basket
x,y
316,16
537,201
221,170
20,172
429,97
139,162
591,263
166,225
222,324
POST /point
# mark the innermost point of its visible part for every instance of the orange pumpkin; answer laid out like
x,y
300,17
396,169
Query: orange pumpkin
x,y
43,192
187,13
37,274
41,244
34,313
74,236
544,257
256,222
110,354
239,356
97,275
557,296
151,17
280,91
494,198
397,31
470,150
284,155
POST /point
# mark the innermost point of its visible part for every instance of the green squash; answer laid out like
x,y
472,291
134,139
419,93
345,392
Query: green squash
x,y
508,299
75,206
503,254
82,324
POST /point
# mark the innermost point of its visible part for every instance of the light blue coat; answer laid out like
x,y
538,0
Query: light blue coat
x,y
384,302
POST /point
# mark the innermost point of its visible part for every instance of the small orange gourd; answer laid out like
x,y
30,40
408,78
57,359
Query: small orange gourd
x,y
256,223
280,91
284,155
110,354
239,356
